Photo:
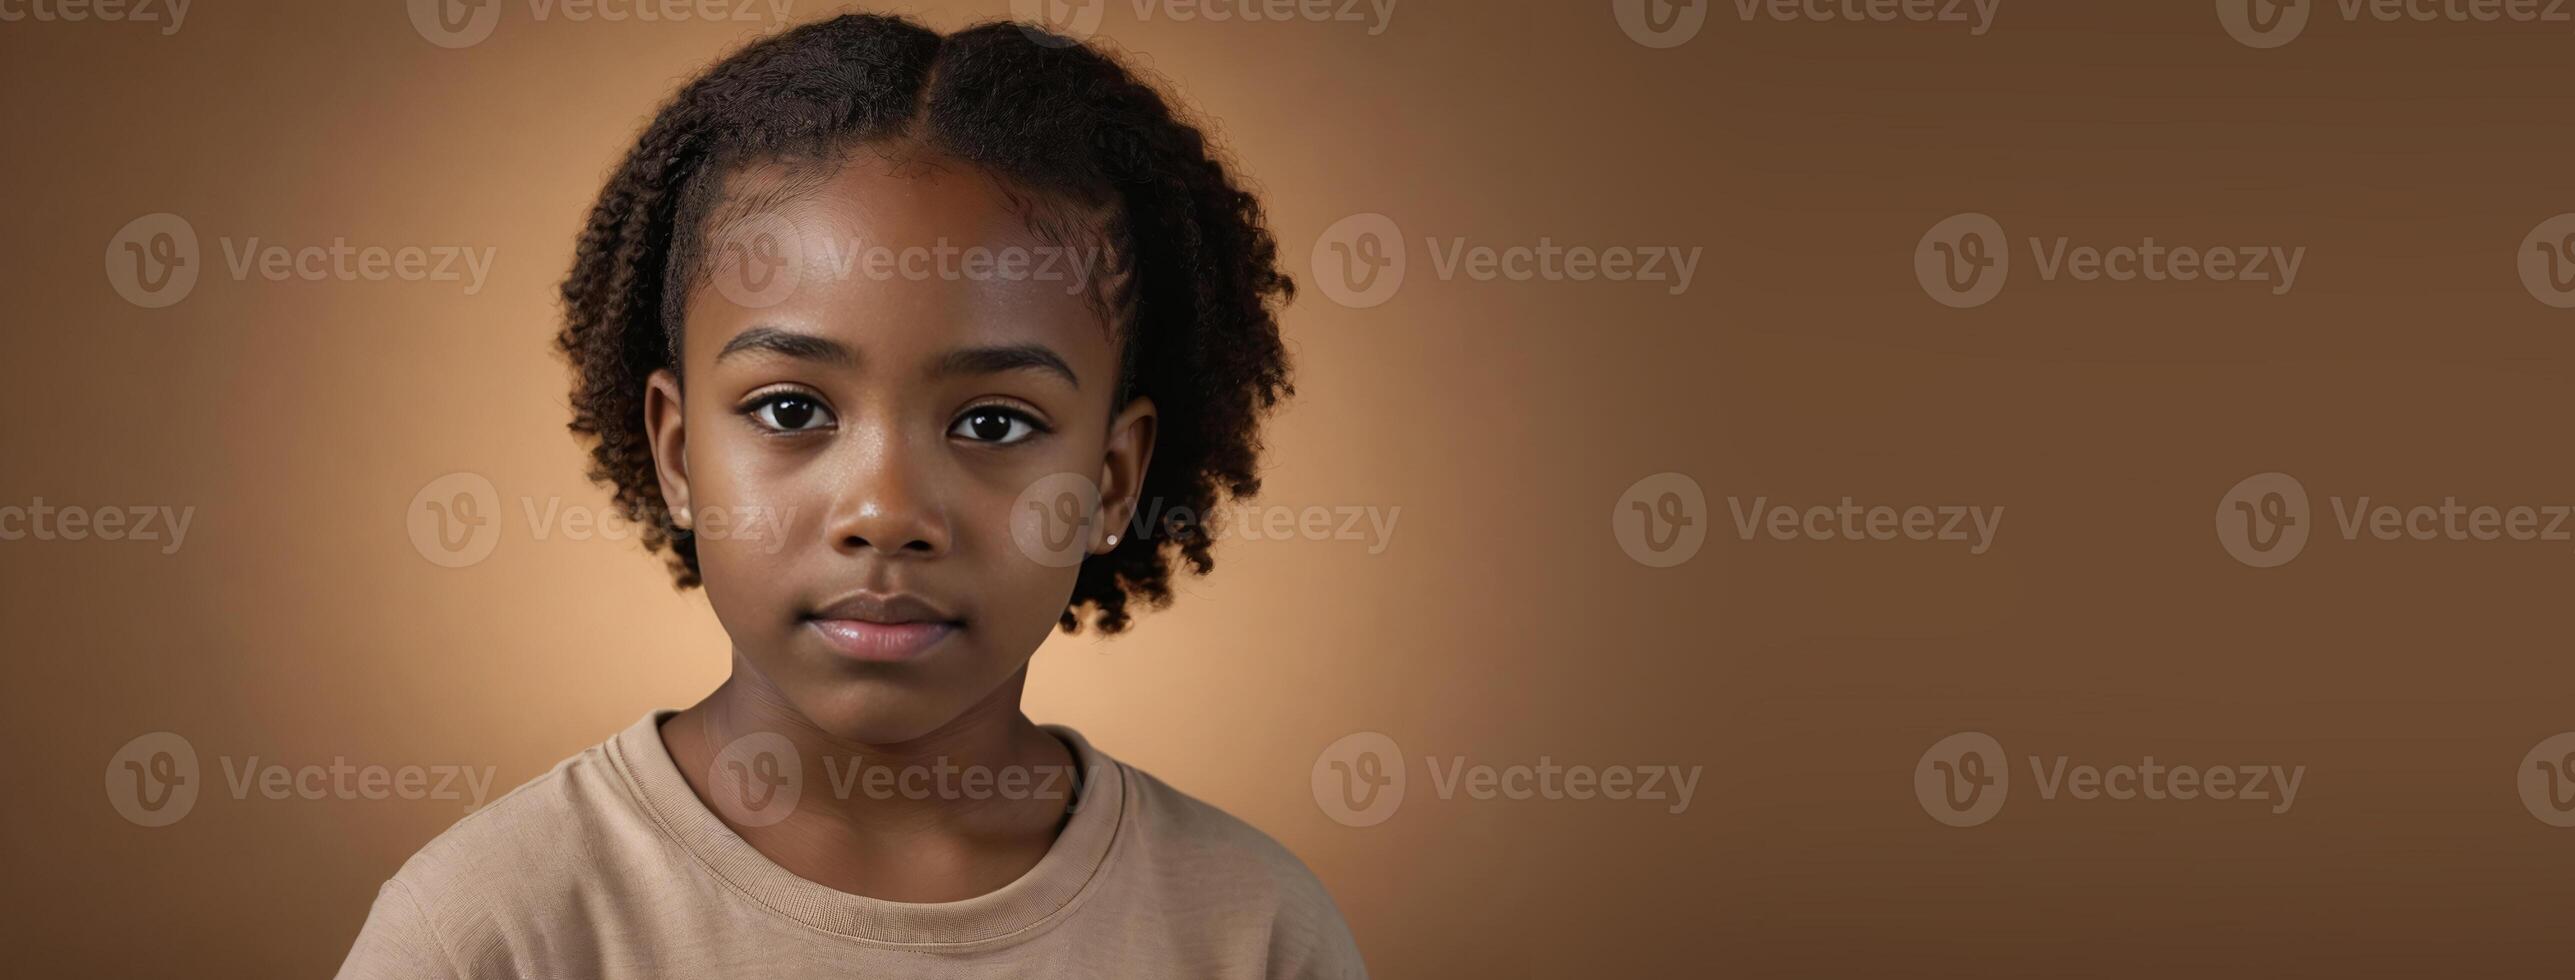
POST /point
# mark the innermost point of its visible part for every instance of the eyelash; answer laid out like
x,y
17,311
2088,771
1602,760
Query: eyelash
x,y
767,402
1036,427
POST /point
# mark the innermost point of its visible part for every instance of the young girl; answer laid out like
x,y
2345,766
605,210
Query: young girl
x,y
898,330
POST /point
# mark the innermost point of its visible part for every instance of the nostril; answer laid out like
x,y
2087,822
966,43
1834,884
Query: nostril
x,y
856,542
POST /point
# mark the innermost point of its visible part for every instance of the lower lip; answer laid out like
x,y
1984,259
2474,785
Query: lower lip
x,y
881,642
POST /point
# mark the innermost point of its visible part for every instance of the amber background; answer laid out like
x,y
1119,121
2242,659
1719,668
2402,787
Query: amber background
x,y
1504,622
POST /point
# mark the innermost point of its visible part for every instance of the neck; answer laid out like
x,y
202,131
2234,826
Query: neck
x,y
895,820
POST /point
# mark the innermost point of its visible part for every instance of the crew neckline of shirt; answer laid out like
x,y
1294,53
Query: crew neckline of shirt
x,y
1051,889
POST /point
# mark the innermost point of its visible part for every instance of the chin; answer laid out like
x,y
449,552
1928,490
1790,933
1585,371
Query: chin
x,y
875,711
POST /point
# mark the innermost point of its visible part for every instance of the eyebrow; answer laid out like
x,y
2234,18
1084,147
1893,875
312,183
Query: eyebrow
x,y
965,360
995,360
800,346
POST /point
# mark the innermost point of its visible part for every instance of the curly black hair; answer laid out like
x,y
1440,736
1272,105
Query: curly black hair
x,y
1193,270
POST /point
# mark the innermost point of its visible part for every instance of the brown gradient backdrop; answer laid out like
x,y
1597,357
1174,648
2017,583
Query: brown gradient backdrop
x,y
1504,623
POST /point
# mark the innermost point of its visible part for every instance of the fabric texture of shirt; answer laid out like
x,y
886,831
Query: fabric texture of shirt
x,y
610,867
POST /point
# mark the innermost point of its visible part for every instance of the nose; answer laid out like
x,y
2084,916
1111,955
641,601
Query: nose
x,y
888,502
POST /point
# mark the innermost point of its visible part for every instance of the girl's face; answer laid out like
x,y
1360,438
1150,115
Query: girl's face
x,y
897,402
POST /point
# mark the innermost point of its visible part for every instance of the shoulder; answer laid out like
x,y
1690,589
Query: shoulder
x,y
1227,863
457,907
484,885
542,827
1182,826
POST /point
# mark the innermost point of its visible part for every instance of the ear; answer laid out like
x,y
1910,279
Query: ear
x,y
1130,451
665,425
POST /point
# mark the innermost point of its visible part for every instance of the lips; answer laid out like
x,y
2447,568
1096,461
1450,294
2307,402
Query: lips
x,y
879,627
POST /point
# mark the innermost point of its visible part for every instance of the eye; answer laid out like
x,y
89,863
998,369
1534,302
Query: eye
x,y
789,411
995,424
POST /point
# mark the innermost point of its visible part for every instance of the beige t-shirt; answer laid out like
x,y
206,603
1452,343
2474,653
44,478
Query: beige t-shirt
x,y
609,867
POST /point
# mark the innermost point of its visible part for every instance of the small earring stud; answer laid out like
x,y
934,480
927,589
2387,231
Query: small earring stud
x,y
1113,541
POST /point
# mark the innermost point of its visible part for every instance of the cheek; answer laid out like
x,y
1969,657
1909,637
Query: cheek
x,y
751,518
1049,521
1031,523
1020,524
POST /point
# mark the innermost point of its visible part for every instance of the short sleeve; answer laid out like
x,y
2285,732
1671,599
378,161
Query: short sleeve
x,y
1329,954
1310,940
397,942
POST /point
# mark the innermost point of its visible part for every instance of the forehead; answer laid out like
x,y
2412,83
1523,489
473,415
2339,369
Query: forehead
x,y
898,256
